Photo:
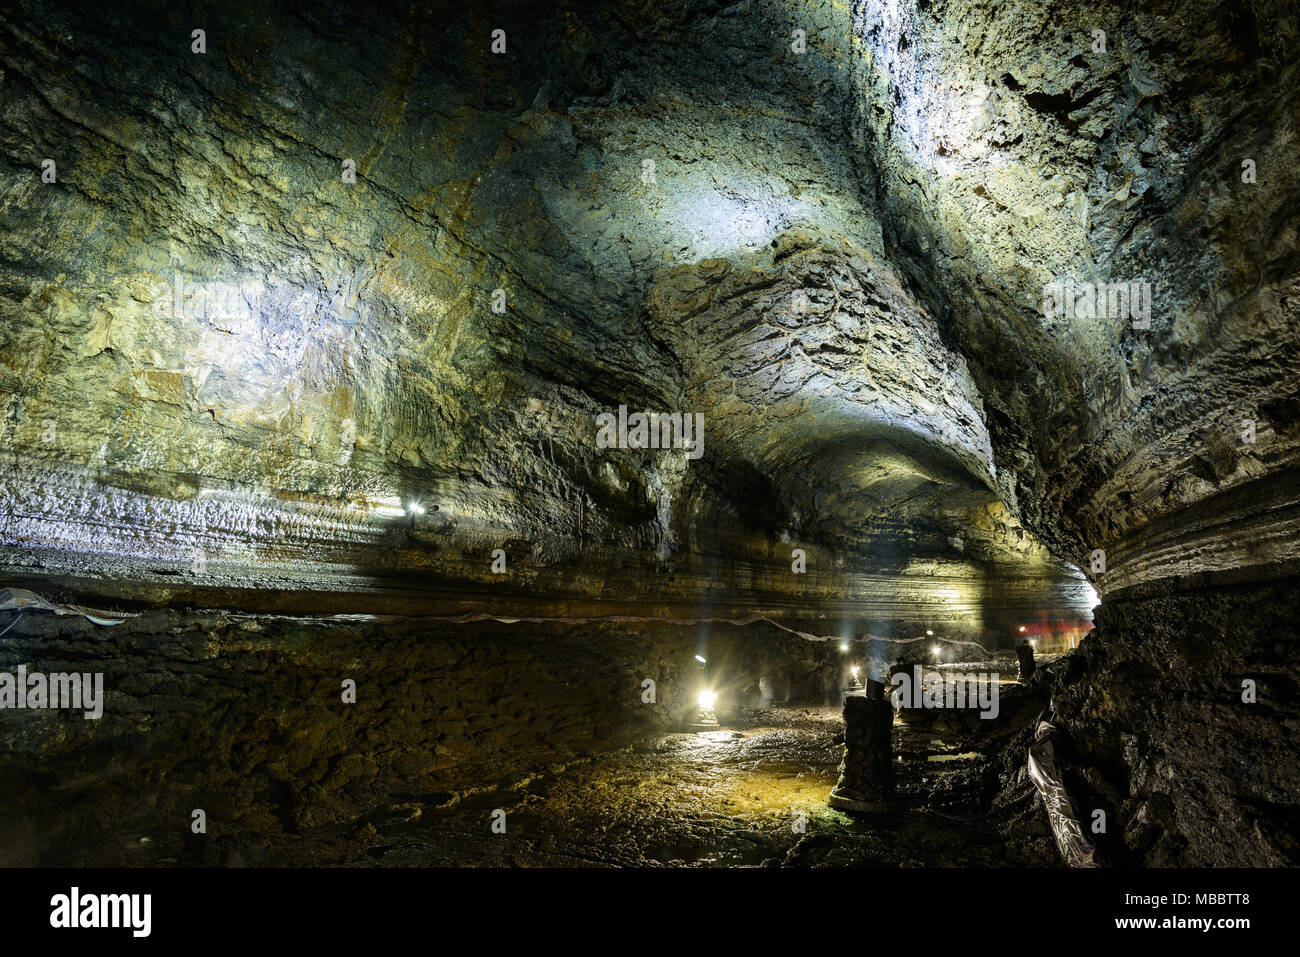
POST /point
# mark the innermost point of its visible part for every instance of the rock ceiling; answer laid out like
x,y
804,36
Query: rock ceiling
x,y
226,371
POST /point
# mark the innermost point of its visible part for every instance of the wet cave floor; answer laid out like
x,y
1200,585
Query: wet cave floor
x,y
707,799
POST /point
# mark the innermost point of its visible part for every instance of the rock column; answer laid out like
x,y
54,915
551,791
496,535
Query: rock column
x,y
866,781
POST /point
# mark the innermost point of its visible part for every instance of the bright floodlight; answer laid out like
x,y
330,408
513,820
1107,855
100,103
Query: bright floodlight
x,y
415,508
844,646
700,659
928,631
936,649
707,698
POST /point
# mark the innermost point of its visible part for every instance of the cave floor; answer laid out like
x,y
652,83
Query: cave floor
x,y
709,799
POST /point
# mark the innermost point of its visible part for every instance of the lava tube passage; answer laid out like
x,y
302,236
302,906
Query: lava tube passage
x,y
495,437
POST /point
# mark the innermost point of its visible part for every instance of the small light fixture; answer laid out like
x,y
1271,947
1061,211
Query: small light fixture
x,y
937,651
705,719
1022,629
415,508
700,659
929,632
1031,641
854,684
844,646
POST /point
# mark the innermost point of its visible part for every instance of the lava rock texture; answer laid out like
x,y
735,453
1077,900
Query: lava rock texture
x,y
246,719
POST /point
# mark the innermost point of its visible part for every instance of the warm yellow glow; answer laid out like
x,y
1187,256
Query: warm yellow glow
x,y
928,631
707,698
936,649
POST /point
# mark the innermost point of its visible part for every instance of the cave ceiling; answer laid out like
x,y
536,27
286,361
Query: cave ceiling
x,y
228,372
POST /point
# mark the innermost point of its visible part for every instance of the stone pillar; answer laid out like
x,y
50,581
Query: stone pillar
x,y
1025,652
867,772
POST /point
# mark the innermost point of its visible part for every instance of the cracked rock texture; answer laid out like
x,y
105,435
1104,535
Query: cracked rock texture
x,y
1160,736
1010,152
244,718
199,305
229,371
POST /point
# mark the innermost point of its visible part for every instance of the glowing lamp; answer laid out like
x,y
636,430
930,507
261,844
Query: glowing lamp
x,y
705,719
855,685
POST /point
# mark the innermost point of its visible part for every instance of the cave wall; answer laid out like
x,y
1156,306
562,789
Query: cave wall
x,y
1157,734
244,718
1009,150
224,371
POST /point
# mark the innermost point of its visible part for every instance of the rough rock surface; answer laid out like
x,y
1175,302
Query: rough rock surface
x,y
245,718
1010,152
229,371
1159,734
